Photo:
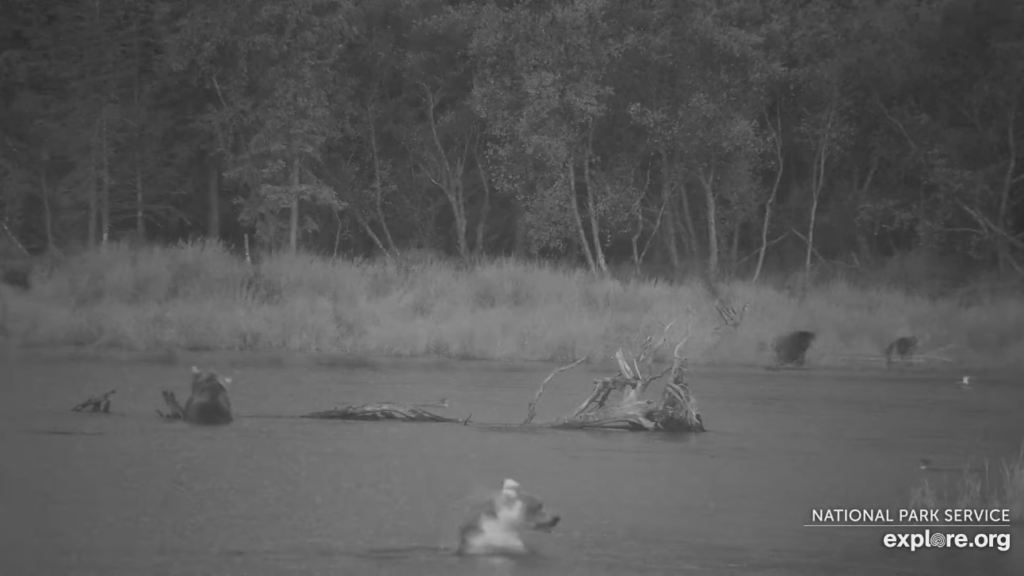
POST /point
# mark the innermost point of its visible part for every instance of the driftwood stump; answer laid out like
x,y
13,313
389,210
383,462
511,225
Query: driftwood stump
x,y
95,404
674,411
382,411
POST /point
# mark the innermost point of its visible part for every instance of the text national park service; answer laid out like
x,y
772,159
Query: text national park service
x,y
885,516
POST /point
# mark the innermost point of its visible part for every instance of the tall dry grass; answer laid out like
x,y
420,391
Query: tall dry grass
x,y
199,296
1000,488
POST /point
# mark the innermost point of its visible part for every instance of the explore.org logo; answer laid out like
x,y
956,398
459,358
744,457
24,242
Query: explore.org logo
x,y
929,539
979,522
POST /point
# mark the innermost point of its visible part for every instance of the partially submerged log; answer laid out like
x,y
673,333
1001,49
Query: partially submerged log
x,y
383,411
674,411
95,404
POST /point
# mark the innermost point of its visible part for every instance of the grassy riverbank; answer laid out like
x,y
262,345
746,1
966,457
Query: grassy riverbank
x,y
200,297
999,487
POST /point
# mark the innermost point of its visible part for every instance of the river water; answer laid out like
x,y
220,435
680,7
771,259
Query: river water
x,y
126,493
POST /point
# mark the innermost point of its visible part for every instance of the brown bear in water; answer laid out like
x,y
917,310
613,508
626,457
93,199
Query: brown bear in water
x,y
207,404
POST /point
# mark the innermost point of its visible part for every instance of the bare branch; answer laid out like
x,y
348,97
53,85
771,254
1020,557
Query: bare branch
x,y
1011,142
13,238
972,116
220,94
989,227
654,231
899,125
780,238
624,368
532,408
804,238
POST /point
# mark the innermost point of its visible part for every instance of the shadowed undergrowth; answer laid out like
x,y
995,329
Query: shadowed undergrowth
x,y
200,297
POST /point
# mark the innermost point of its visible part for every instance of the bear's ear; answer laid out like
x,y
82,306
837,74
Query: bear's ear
x,y
195,370
227,381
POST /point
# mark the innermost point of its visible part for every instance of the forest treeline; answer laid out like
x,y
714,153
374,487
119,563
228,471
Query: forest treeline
x,y
728,137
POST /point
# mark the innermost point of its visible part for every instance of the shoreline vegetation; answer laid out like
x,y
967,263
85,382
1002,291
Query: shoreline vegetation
x,y
200,297
976,487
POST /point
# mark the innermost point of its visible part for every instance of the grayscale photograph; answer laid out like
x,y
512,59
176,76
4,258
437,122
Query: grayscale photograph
x,y
511,287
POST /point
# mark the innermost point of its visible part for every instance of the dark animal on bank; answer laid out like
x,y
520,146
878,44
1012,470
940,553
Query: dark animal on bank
x,y
494,527
904,347
208,402
791,349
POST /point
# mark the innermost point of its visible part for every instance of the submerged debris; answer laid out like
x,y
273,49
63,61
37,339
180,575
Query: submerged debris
x,y
382,411
96,404
674,411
